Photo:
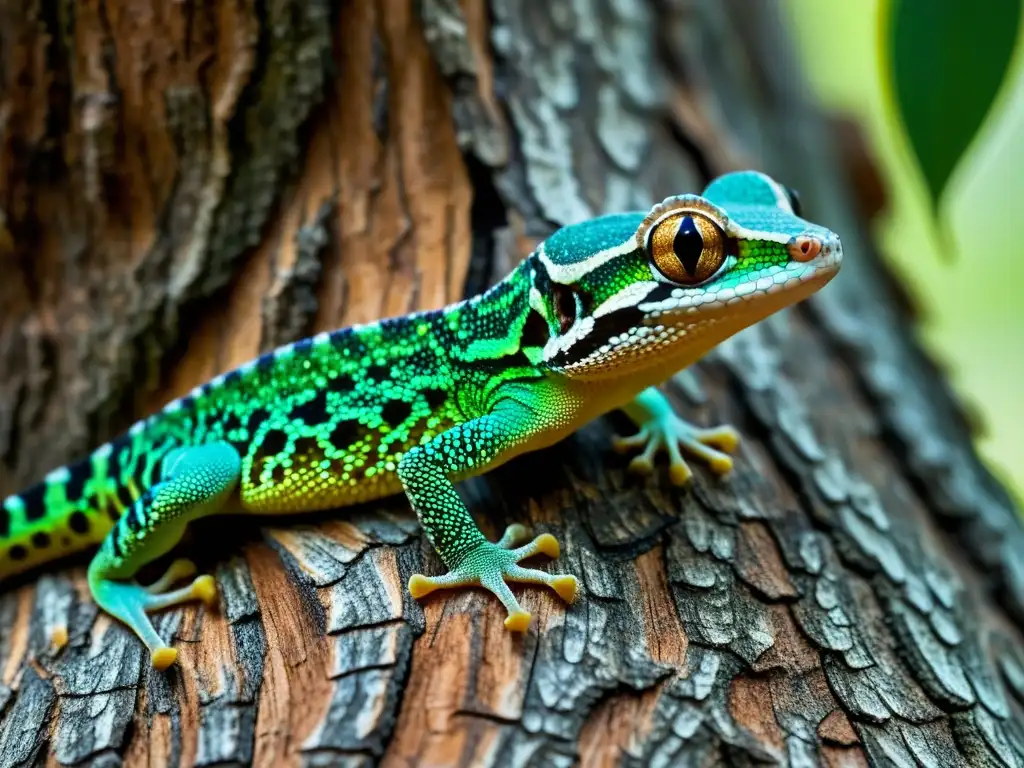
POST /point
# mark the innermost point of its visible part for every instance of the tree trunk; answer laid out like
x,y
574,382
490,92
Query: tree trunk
x,y
185,185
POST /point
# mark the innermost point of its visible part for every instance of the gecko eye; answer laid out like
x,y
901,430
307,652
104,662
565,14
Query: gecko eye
x,y
794,201
687,248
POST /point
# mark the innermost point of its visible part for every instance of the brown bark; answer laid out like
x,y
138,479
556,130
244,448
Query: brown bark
x,y
185,185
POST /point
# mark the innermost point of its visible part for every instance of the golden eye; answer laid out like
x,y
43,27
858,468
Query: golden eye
x,y
687,248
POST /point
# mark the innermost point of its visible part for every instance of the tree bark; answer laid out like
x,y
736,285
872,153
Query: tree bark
x,y
185,185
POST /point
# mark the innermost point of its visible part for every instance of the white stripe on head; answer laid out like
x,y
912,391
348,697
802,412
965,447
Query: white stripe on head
x,y
629,296
570,273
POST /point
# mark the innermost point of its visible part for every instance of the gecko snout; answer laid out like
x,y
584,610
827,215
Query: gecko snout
x,y
808,247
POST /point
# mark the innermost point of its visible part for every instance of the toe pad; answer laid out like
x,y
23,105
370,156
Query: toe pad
x,y
548,545
420,586
59,637
162,658
566,587
205,589
518,622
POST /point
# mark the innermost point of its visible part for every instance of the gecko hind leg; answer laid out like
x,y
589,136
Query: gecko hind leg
x,y
661,429
195,482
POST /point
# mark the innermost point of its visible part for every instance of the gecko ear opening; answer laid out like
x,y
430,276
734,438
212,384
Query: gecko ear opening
x,y
566,306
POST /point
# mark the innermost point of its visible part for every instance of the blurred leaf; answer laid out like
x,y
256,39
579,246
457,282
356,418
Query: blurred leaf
x,y
946,61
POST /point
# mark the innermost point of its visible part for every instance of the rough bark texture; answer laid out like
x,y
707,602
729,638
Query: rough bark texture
x,y
185,184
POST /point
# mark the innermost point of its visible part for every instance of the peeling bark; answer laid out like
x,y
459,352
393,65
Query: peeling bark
x,y
185,185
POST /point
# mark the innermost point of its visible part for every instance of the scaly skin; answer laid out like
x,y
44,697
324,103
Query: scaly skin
x,y
591,321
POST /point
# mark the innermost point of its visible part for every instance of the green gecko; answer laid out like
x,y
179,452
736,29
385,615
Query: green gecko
x,y
593,320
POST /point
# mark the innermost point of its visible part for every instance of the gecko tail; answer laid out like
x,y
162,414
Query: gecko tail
x,y
64,513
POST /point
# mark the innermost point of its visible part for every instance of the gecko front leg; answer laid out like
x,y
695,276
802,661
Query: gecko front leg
x,y
661,429
194,482
427,472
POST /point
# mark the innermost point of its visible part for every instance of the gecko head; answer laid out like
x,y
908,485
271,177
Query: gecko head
x,y
624,292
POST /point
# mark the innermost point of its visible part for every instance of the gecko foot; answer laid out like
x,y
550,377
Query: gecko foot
x,y
491,565
130,602
671,433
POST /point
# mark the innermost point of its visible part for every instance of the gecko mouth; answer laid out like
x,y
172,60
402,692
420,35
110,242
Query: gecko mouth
x,y
669,314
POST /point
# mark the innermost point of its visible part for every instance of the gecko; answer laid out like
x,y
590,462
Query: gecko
x,y
594,319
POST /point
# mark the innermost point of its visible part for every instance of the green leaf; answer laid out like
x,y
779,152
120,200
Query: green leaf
x,y
946,62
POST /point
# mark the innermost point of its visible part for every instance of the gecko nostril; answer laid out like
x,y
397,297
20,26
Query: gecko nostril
x,y
804,247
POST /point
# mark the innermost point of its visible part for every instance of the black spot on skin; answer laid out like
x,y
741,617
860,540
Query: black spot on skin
x,y
18,552
40,540
112,513
378,372
435,397
313,412
65,541
230,422
256,417
33,498
76,482
345,433
254,473
308,446
186,403
124,495
277,474
535,332
343,384
273,443
517,360
134,517
115,540
5,522
395,412
78,522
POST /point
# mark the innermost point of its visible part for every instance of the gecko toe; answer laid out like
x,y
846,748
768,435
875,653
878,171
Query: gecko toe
x,y
162,658
59,636
518,621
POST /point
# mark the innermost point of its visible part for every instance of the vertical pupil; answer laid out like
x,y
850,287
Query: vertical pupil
x,y
688,245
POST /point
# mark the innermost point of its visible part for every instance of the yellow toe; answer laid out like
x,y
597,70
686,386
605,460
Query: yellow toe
x,y
59,636
726,440
162,658
720,465
514,534
205,588
679,474
641,465
548,545
420,586
518,621
566,587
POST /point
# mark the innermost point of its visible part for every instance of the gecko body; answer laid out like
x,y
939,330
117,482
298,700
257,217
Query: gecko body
x,y
598,315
